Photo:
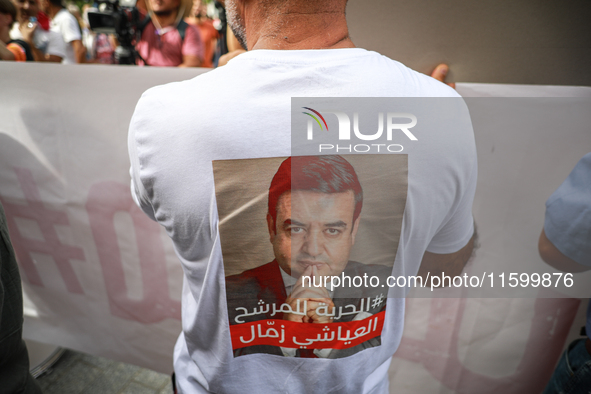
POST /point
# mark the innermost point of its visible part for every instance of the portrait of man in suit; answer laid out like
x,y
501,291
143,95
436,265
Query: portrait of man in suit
x,y
314,208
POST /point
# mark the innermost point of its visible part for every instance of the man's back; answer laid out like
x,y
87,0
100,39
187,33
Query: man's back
x,y
243,110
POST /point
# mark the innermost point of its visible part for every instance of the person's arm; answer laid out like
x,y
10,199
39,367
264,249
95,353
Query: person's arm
x,y
138,191
45,57
52,58
5,53
79,51
565,241
555,258
452,263
72,35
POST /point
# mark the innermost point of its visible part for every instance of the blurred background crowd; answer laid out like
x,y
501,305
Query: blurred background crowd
x,y
168,33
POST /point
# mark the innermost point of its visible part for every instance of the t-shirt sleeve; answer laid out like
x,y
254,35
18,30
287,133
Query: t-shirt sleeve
x,y
70,29
139,192
19,52
457,227
568,214
193,45
457,230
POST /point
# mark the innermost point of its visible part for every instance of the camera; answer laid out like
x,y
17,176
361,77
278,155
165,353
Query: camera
x,y
119,17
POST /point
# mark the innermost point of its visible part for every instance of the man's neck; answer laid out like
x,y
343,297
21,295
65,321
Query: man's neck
x,y
286,30
165,20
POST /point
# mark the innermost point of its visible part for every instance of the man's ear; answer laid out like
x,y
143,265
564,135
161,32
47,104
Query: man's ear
x,y
271,227
354,232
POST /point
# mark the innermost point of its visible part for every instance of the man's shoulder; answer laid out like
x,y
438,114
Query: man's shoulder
x,y
66,25
374,74
207,81
416,84
63,16
380,75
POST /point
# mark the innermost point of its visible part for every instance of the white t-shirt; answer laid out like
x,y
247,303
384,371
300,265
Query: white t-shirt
x,y
66,25
48,42
243,110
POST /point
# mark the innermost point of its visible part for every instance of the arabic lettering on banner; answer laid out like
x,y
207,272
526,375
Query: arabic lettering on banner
x,y
105,200
294,335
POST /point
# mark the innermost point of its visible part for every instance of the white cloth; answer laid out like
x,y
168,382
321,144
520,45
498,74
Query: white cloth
x,y
66,25
48,42
176,132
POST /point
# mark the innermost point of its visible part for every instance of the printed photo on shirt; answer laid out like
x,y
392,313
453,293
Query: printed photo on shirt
x,y
308,245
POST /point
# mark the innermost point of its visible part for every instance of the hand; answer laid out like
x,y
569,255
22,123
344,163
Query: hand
x,y
27,30
440,73
314,304
314,297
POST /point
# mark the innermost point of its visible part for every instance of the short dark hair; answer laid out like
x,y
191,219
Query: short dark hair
x,y
57,3
322,174
6,7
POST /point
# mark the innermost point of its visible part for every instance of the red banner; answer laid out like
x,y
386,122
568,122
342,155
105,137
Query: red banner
x,y
290,334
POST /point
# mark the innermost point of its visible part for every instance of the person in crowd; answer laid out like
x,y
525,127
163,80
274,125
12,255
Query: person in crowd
x,y
12,50
565,244
87,36
296,48
65,24
100,47
208,32
166,39
46,45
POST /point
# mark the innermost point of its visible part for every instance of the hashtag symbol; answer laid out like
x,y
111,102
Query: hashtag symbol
x,y
377,301
51,245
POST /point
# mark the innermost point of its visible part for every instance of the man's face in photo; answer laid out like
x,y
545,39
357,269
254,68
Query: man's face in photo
x,y
313,229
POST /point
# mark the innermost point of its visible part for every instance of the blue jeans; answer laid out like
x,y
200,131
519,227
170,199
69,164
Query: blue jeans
x,y
573,372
